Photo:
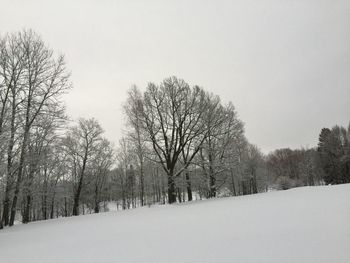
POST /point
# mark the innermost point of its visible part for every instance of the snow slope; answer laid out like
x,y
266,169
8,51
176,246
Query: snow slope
x,y
309,224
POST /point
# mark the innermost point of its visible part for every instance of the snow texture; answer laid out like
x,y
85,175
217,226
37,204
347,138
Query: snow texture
x,y
303,225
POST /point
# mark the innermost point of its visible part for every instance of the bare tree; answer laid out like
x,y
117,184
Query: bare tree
x,y
125,175
224,129
11,74
254,162
101,164
133,110
80,144
172,116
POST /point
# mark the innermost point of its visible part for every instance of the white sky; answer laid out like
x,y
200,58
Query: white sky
x,y
285,64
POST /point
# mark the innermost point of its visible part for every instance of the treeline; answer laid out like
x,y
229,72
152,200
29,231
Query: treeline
x,y
181,144
328,163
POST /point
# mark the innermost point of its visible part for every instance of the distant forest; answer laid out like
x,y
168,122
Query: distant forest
x,y
181,143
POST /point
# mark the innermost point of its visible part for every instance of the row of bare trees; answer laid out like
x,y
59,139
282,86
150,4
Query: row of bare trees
x,y
199,145
197,142
181,144
32,81
46,164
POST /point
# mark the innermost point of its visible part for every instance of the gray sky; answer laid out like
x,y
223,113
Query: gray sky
x,y
285,64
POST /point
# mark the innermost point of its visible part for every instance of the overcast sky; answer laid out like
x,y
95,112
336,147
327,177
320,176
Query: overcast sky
x,y
285,64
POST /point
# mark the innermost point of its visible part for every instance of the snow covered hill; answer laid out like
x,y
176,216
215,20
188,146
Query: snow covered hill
x,y
309,224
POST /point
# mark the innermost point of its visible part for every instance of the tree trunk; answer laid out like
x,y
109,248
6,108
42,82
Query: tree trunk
x,y
188,186
97,205
27,207
212,185
75,211
6,206
142,192
80,185
179,194
14,207
233,187
44,205
65,207
19,174
52,207
28,194
212,179
171,188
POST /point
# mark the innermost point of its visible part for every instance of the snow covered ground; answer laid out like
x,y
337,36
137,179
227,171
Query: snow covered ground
x,y
309,224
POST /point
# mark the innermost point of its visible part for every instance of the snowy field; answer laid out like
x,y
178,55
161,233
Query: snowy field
x,y
304,225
